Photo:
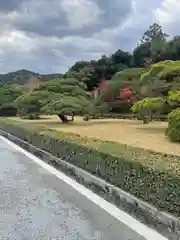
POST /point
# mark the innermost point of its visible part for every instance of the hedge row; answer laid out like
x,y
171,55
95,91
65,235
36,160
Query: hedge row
x,y
135,117
150,176
173,130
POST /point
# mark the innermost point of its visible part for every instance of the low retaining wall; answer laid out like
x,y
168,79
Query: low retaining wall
x,y
164,223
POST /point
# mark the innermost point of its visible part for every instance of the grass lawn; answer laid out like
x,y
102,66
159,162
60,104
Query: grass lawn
x,y
130,132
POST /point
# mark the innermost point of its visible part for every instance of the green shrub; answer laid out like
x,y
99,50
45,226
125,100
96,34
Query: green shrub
x,y
173,130
31,116
150,176
166,70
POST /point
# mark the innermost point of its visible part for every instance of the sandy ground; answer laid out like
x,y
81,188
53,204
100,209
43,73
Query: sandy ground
x,y
131,132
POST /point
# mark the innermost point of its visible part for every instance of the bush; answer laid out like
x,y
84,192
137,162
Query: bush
x,y
173,130
150,176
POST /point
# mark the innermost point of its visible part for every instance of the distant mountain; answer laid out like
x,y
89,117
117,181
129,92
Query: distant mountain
x,y
22,77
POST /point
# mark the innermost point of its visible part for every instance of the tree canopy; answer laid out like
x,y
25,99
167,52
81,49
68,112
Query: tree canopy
x,y
154,33
29,105
148,104
8,95
93,71
152,46
147,107
60,96
174,99
161,78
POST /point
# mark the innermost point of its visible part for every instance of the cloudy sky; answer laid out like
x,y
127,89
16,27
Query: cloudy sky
x,y
50,35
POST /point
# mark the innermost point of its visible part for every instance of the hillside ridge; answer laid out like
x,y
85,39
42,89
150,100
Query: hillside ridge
x,y
22,76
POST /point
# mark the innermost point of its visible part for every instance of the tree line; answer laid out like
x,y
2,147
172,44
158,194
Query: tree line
x,y
151,74
153,47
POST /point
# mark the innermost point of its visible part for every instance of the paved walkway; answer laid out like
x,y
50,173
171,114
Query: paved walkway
x,y
35,204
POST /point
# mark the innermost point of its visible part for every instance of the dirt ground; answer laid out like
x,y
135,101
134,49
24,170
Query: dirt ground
x,y
131,132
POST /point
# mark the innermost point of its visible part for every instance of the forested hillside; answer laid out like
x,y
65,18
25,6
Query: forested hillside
x,y
21,77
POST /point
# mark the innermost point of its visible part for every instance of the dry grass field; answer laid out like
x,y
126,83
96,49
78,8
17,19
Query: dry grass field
x,y
131,132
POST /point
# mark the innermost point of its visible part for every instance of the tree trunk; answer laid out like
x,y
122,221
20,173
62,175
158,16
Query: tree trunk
x,y
86,118
150,116
63,118
145,120
72,119
145,117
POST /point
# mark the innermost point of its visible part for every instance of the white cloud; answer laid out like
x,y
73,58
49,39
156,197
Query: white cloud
x,y
47,53
50,35
81,12
17,40
168,12
168,15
